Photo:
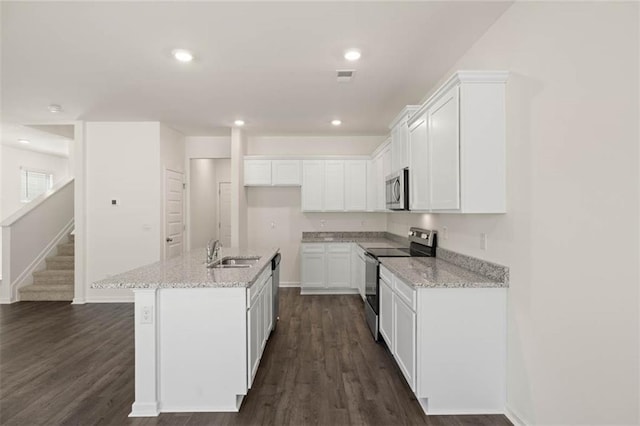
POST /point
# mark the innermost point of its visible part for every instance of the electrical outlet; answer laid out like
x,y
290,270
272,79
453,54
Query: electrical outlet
x,y
445,233
147,315
483,241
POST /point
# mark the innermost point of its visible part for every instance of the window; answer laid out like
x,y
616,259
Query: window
x,y
34,183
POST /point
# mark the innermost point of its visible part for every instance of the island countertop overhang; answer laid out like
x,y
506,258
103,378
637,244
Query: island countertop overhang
x,y
190,271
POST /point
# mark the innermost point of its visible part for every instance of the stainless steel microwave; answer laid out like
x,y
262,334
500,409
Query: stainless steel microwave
x,y
397,190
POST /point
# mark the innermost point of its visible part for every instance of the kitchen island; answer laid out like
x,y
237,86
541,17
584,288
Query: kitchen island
x,y
199,332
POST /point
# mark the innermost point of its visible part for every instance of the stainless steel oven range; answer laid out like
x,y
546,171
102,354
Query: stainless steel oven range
x,y
423,243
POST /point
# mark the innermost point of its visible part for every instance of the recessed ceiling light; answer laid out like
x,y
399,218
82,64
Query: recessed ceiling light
x,y
336,122
239,122
182,55
352,55
55,108
23,141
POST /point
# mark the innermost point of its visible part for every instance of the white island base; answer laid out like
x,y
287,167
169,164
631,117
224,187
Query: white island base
x,y
193,348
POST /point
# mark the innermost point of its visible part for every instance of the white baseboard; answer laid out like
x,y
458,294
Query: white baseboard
x,y
39,263
148,409
289,284
4,301
109,299
328,291
514,418
77,301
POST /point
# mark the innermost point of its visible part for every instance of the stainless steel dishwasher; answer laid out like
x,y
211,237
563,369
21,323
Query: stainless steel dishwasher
x,y
275,279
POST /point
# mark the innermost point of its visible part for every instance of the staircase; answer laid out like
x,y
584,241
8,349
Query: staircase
x,y
56,282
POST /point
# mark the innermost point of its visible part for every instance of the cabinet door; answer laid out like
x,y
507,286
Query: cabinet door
x,y
254,319
334,185
267,304
396,150
404,344
257,172
313,270
403,136
312,185
444,146
362,271
380,184
419,168
386,313
355,185
338,265
285,172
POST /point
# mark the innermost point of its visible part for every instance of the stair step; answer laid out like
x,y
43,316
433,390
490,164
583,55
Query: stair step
x,y
58,263
66,249
48,277
46,292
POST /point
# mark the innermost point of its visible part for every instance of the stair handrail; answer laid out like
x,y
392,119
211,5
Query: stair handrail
x,y
26,209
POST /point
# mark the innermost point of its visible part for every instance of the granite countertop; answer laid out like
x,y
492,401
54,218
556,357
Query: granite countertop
x,y
432,272
190,271
364,239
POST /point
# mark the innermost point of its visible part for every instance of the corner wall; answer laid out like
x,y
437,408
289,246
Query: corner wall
x,y
571,232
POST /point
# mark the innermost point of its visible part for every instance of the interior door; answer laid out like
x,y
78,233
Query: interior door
x,y
224,213
173,214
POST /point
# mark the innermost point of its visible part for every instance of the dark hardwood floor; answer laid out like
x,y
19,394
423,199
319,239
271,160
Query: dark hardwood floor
x,y
64,364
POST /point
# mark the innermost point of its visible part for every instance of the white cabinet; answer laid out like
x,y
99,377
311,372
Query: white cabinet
x,y
381,167
334,185
419,196
285,172
358,269
449,343
386,313
257,172
312,185
458,161
338,265
404,339
313,266
355,185
325,268
372,186
259,321
266,172
400,139
444,144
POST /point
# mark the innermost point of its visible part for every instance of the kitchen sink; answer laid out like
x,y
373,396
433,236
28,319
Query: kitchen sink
x,y
236,262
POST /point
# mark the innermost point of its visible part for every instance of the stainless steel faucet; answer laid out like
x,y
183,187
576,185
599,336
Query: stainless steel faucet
x,y
213,250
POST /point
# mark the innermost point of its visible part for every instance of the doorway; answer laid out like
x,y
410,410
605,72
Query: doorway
x,y
224,213
173,214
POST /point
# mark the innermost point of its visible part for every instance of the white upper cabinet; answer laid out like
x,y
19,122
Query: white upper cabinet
x,y
444,145
334,185
312,185
355,185
458,160
400,139
372,186
257,172
286,172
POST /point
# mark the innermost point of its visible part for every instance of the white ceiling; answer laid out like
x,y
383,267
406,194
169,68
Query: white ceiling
x,y
39,140
271,63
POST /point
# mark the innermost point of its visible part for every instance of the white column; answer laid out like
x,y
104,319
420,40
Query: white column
x,y
238,194
146,363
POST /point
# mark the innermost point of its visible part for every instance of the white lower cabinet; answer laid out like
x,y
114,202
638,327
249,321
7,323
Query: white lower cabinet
x,y
449,343
325,268
386,313
259,321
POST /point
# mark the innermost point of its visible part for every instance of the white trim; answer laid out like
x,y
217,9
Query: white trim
x,y
146,409
36,202
289,284
328,291
108,299
514,418
408,110
39,263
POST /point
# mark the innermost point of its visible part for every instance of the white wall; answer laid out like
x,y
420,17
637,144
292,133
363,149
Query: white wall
x,y
122,162
13,159
206,174
571,232
282,206
208,146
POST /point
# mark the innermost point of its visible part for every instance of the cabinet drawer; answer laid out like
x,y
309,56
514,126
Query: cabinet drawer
x,y
386,275
313,248
405,292
339,248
